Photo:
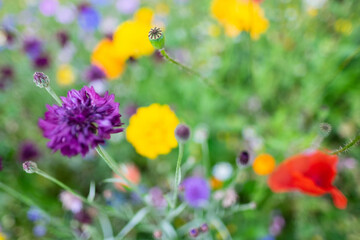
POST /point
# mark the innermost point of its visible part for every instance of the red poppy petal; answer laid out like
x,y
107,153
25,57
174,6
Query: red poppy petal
x,y
307,185
340,201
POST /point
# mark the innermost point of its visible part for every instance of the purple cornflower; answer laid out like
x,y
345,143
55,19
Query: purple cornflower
x,y
28,151
84,121
89,18
33,47
196,191
94,73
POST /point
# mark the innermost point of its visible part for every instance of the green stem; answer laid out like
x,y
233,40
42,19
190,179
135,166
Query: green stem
x,y
113,166
205,152
190,71
67,188
177,179
349,145
54,95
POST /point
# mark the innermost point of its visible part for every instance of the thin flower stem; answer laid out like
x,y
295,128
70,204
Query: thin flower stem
x,y
67,188
346,147
205,152
54,95
177,179
190,71
113,166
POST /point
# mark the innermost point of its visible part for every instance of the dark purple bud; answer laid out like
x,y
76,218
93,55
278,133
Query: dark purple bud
x,y
94,73
243,158
28,151
204,228
41,62
1,163
194,232
62,38
30,167
83,217
41,80
182,133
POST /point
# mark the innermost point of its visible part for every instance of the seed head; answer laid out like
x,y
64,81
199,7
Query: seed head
x,y
41,80
30,167
156,38
243,158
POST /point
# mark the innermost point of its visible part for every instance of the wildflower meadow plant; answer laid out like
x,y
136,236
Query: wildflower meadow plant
x,y
217,119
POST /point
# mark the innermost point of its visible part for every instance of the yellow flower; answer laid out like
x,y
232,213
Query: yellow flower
x,y
131,37
240,15
343,26
105,57
264,164
130,40
152,130
65,75
2,236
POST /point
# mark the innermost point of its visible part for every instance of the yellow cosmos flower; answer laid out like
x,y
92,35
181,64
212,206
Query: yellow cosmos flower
x,y
264,164
65,75
152,130
105,57
130,40
240,15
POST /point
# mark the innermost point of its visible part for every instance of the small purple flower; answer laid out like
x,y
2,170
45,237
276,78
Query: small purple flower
x,y
33,47
71,202
89,18
65,15
28,151
157,197
94,73
48,7
34,214
196,191
84,121
204,228
127,6
193,232
39,230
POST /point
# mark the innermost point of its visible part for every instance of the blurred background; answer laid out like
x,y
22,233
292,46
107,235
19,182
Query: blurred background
x,y
302,71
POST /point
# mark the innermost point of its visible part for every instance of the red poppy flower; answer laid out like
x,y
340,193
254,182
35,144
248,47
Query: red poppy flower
x,y
309,173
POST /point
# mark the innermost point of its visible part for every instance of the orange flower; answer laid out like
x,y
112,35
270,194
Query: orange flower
x,y
105,57
264,164
310,173
131,172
